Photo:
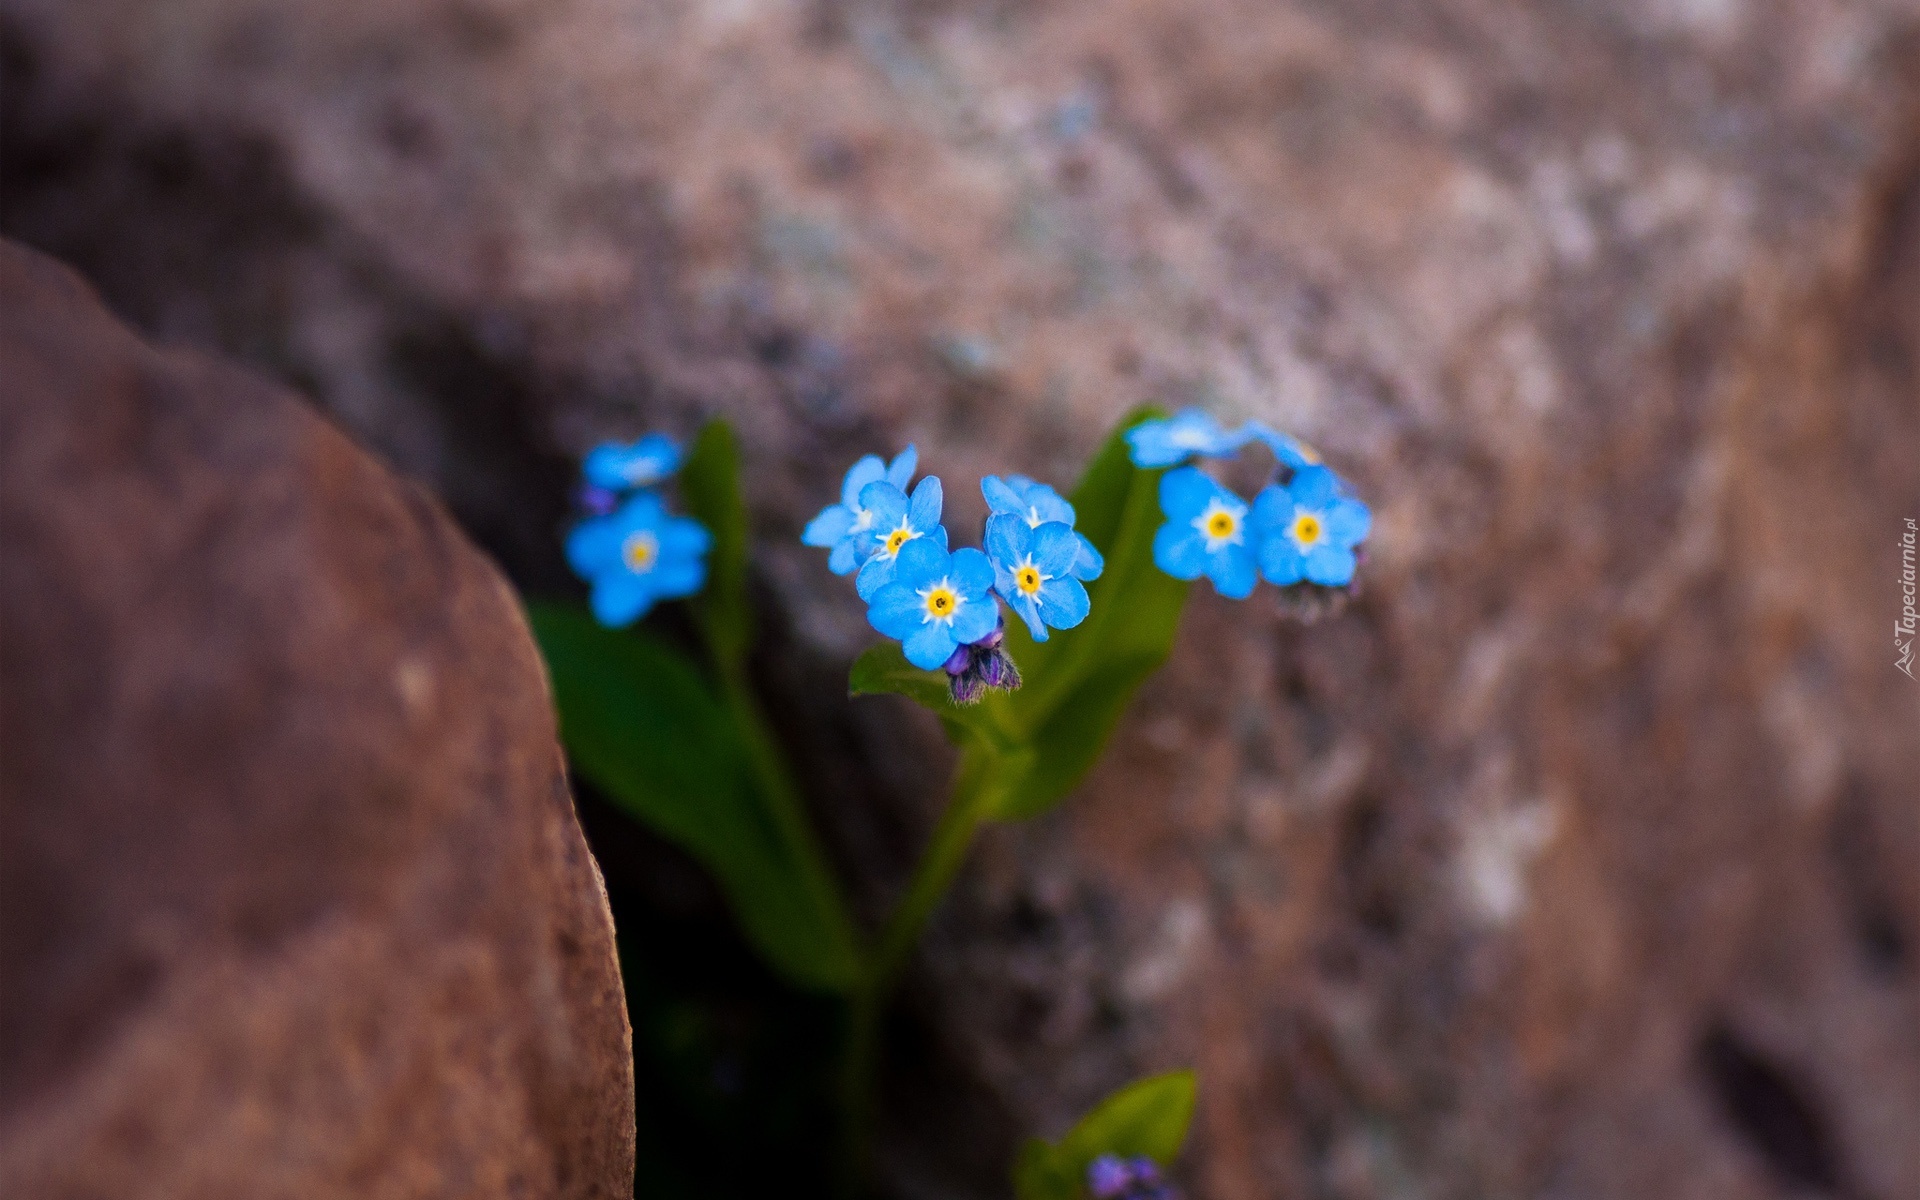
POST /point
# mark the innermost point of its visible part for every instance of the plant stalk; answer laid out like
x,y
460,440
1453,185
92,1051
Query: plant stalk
x,y
967,807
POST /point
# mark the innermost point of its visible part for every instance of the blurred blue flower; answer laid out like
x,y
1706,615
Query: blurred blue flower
x,y
1206,533
636,555
896,523
843,527
1173,440
1288,449
1036,503
1308,528
935,602
1033,572
619,468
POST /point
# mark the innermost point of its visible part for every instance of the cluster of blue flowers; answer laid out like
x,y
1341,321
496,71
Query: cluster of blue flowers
x,y
629,548
1113,1178
1304,530
939,602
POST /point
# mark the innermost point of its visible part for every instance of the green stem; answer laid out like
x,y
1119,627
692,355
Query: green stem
x,y
776,782
952,838
966,808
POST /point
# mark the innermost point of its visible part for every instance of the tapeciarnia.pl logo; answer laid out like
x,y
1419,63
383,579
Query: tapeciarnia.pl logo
x,y
1904,626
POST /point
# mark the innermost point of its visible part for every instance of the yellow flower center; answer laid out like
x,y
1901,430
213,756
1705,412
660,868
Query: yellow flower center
x,y
1220,524
941,601
1306,529
640,551
897,539
1027,579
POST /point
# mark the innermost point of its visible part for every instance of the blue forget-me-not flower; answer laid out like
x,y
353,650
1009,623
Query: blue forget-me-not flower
x,y
637,555
897,523
1173,440
1036,504
1207,533
1033,572
1308,529
843,527
935,601
614,467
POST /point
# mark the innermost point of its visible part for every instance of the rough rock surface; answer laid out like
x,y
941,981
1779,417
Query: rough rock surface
x,y
292,898
1580,859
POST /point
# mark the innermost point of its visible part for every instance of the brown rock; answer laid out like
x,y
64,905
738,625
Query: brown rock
x,y
292,898
1578,859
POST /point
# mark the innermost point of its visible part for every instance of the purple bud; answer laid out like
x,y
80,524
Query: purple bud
x,y
966,688
596,500
996,670
1108,1178
958,662
1145,1171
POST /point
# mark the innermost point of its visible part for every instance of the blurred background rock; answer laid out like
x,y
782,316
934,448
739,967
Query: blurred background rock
x,y
1580,858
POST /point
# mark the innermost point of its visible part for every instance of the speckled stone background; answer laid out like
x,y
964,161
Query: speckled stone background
x,y
1580,858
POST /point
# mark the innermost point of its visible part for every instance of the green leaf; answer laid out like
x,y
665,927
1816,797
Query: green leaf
x,y
643,724
710,488
1080,681
883,669
1147,1118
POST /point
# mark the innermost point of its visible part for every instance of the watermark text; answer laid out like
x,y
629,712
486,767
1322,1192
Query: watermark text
x,y
1903,626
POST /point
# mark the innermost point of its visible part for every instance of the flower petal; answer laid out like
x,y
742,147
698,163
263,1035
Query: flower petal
x,y
1314,487
642,510
847,554
1180,551
1001,497
594,545
1064,603
1008,539
896,610
829,527
929,646
900,471
921,562
924,511
1272,510
876,573
1280,560
1289,450
977,617
1330,565
1348,522
1028,610
1184,493
1232,571
1148,446
684,535
1055,546
678,577
887,503
971,573
1088,564
868,470
1042,502
620,598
